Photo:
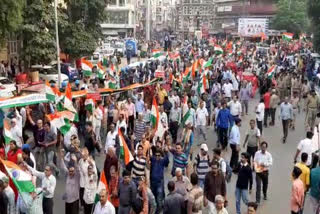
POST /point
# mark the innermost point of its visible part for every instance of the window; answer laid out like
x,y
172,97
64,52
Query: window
x,y
112,2
117,17
122,2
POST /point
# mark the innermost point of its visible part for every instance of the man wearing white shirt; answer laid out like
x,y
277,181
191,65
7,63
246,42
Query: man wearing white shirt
x,y
234,141
260,114
48,185
227,89
163,117
121,123
111,138
97,118
104,206
201,119
262,163
16,132
67,138
235,108
305,146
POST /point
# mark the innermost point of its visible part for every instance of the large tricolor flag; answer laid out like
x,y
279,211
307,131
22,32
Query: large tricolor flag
x,y
287,36
103,184
7,131
208,63
68,99
89,104
202,85
271,72
218,49
21,179
52,93
100,71
61,120
156,53
155,114
185,118
125,153
186,75
86,67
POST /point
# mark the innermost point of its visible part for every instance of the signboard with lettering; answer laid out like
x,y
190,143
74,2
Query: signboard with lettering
x,y
252,27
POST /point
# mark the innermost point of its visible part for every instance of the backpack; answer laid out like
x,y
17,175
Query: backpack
x,y
228,171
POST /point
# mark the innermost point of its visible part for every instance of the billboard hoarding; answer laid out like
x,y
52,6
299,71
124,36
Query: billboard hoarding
x,y
252,26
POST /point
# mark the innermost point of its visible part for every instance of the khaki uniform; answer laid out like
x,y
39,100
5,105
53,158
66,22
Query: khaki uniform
x,y
282,88
274,101
296,87
295,107
288,85
312,108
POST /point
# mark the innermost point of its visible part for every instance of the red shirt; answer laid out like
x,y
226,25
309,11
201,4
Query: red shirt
x,y
266,98
13,156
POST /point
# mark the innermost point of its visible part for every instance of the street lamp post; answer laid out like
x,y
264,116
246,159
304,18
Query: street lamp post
x,y
57,42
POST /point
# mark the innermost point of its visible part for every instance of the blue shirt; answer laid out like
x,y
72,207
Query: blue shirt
x,y
286,112
139,106
157,169
224,118
179,161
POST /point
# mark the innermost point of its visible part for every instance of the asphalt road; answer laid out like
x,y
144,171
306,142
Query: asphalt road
x,y
279,180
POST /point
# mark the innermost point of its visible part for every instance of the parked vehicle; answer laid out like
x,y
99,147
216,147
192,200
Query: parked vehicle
x,y
7,88
49,73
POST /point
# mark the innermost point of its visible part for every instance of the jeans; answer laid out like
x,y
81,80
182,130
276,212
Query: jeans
x,y
202,131
241,193
285,126
49,160
174,126
157,189
244,105
261,178
201,183
234,156
266,116
223,137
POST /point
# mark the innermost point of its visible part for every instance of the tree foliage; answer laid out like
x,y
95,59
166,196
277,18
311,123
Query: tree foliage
x,y
314,14
81,34
38,32
10,17
291,16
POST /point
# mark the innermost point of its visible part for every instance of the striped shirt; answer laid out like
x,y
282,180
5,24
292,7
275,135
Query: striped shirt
x,y
202,166
139,129
138,167
179,161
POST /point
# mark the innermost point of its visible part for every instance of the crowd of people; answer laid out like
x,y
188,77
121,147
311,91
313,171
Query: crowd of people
x,y
172,169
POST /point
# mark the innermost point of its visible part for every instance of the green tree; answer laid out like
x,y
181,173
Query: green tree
x,y
79,37
314,14
38,32
291,16
10,17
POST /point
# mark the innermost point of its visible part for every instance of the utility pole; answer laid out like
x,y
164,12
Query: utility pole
x,y
57,42
148,20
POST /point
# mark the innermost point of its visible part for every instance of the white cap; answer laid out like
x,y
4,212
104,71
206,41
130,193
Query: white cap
x,y
204,147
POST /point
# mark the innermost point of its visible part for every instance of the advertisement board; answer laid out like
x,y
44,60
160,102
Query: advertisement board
x,y
252,26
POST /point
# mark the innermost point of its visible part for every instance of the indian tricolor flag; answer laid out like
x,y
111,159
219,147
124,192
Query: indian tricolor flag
x,y
68,99
21,179
155,114
100,71
7,131
52,93
287,36
125,153
202,85
61,120
186,75
208,63
86,67
102,185
218,49
89,104
156,53
271,72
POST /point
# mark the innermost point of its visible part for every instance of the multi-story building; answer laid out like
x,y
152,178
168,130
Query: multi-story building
x,y
192,15
228,12
120,18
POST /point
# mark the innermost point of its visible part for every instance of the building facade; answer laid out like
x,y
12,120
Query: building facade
x,y
192,15
120,19
228,13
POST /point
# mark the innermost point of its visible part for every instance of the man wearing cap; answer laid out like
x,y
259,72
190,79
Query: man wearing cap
x,y
313,104
234,140
202,164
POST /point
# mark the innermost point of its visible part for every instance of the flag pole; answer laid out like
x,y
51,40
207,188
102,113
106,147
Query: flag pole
x,y
57,42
